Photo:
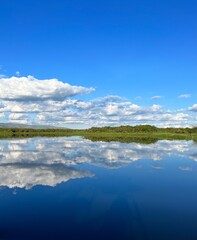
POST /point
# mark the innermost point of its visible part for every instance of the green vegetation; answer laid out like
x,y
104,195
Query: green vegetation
x,y
141,133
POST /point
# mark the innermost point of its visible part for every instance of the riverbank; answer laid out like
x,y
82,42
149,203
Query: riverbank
x,y
141,133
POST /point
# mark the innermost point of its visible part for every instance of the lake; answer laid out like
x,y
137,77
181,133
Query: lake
x,y
73,188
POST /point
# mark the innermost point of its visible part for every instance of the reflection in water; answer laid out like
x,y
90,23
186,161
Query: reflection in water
x,y
29,175
153,198
25,163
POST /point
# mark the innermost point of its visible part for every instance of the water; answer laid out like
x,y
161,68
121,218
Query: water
x,y
72,188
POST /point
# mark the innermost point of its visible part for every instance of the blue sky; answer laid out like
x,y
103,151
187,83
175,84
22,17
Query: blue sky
x,y
132,49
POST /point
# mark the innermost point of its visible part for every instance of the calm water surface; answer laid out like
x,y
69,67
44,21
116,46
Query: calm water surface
x,y
72,188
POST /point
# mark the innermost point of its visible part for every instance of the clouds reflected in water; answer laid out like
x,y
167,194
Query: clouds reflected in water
x,y
25,163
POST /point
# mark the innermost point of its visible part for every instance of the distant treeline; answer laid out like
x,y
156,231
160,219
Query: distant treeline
x,y
31,132
142,128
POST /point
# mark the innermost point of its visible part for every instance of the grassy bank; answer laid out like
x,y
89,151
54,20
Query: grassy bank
x,y
141,133
138,137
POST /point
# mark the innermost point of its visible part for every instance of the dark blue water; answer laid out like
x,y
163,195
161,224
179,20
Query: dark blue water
x,y
71,188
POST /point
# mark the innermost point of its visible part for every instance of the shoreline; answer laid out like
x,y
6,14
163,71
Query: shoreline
x,y
140,133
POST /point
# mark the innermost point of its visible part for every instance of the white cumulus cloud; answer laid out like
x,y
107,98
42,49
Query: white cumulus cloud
x,y
30,88
193,108
18,116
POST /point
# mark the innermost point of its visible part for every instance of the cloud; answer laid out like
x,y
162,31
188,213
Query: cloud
x,y
2,115
185,168
156,97
114,112
1,105
193,108
18,116
2,76
30,88
110,110
30,175
17,73
184,96
47,102
49,161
